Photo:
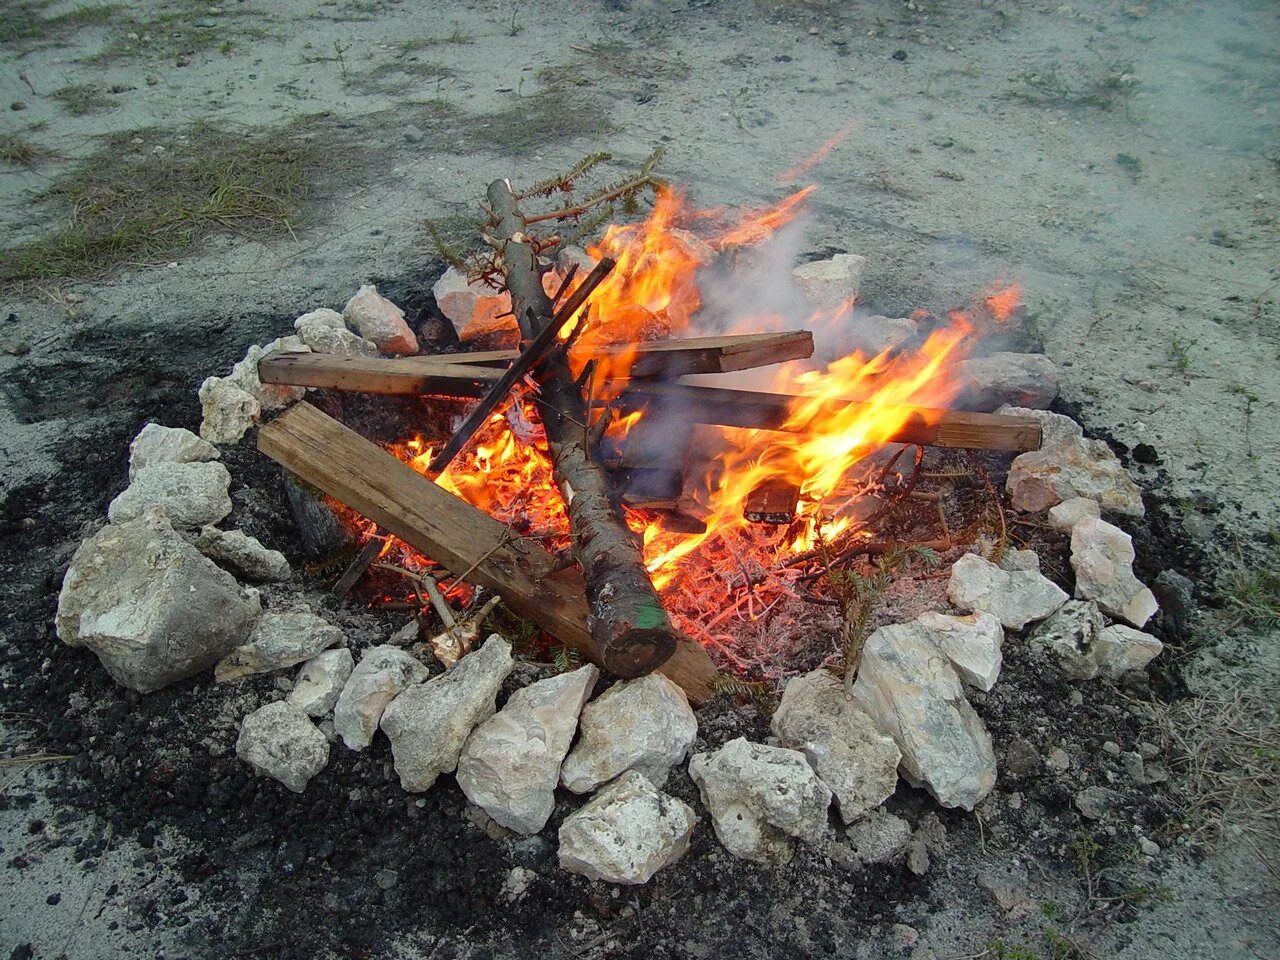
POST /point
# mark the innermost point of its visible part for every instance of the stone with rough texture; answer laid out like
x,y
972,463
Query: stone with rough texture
x,y
1071,635
876,333
1015,598
324,331
1008,379
281,742
1072,468
151,607
228,410
270,396
476,309
1068,513
279,640
1013,560
881,838
972,644
510,764
428,724
191,495
380,321
1102,557
1054,427
626,833
907,685
1119,649
243,555
1096,803
828,284
382,673
643,724
847,750
759,797
320,682
157,444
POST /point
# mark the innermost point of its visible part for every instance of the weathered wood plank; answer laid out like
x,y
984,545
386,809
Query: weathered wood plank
x,y
377,375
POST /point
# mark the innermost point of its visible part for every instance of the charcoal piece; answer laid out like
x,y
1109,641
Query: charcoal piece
x,y
323,532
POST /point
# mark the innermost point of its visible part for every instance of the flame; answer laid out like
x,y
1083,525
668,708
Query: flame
x,y
804,166
1004,303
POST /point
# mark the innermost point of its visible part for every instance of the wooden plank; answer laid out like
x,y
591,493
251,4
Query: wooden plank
x,y
377,375
330,456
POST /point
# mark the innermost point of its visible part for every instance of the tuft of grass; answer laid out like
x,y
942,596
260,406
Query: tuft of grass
x,y
400,75
125,207
533,123
17,151
459,37
1130,165
1252,594
1179,353
23,23
81,99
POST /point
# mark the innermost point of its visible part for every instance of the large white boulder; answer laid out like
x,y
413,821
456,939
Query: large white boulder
x,y
1075,467
848,751
379,320
474,309
150,606
973,644
191,495
1012,379
510,764
280,639
320,682
643,725
626,833
1102,557
828,284
157,444
324,331
428,724
1014,597
281,742
382,673
760,797
1120,649
908,686
243,555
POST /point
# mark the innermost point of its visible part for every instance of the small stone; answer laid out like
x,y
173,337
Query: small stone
x,y
876,334
1120,649
1068,513
1013,379
626,833
386,879
190,494
1054,427
157,444
1072,468
972,644
324,331
1102,557
1015,598
243,555
830,284
1148,847
643,725
918,858
1059,761
279,640
1111,748
1134,767
229,410
280,742
475,309
517,883
881,838
376,680
1071,636
1096,803
320,682
759,797
376,318
1022,759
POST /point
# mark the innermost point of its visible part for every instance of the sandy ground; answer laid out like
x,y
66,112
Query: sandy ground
x,y
1116,159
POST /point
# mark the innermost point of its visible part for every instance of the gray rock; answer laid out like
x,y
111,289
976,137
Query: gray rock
x,y
270,396
428,724
1070,635
243,555
876,334
1013,379
1022,759
510,764
1015,598
918,857
643,725
474,309
280,742
1176,596
1015,560
908,686
972,644
157,444
847,750
1059,761
191,495
759,797
324,331
1054,427
1068,513
379,320
382,673
828,284
1072,468
320,682
150,606
1119,649
279,640
881,838
229,410
1102,557
626,833
1096,803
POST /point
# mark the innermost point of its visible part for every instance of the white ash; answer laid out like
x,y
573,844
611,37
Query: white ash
x,y
191,495
281,742
1102,557
320,682
379,320
377,679
157,444
243,555
1015,598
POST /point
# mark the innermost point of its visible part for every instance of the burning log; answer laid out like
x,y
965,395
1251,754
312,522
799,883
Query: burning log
x,y
773,501
465,540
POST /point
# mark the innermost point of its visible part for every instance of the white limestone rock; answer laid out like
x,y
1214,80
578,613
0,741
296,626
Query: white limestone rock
x,y
243,555
850,754
569,256
475,309
510,764
324,331
1015,598
1102,557
270,396
876,333
626,833
1068,513
973,644
157,444
1072,468
1120,649
379,320
643,725
280,639
829,284
382,673
428,724
881,838
150,606
1071,635
760,797
320,682
1054,427
1014,560
191,495
907,685
1008,379
229,410
281,742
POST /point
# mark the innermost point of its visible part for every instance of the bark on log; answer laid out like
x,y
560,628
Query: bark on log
x,y
627,620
